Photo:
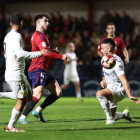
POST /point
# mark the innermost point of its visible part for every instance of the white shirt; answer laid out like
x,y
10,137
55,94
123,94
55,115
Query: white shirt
x,y
15,55
111,75
71,68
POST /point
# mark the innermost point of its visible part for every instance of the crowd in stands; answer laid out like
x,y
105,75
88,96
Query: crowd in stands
x,y
71,29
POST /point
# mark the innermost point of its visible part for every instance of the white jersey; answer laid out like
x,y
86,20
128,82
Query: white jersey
x,y
15,55
71,68
111,75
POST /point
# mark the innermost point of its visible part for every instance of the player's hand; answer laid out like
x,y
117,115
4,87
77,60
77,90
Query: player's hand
x,y
56,50
133,99
44,51
65,57
103,83
126,60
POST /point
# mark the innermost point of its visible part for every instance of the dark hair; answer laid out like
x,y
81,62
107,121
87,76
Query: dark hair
x,y
110,42
16,19
110,23
39,16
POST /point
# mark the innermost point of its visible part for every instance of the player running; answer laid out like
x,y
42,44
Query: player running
x,y
38,71
70,72
119,44
115,86
15,66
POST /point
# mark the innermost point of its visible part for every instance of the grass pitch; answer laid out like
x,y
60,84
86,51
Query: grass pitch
x,y
68,119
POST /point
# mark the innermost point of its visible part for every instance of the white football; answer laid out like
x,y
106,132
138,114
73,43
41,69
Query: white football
x,y
108,61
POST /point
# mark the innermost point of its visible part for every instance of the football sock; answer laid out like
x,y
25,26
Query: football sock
x,y
119,115
49,100
29,107
14,117
105,105
9,95
78,94
38,109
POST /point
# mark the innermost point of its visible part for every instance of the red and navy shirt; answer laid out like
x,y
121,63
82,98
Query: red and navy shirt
x,y
119,45
39,41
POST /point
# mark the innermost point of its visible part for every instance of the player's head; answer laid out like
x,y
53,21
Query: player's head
x,y
107,46
70,47
110,29
16,20
42,22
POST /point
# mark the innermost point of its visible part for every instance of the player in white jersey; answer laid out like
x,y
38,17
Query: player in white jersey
x,y
115,86
15,66
70,72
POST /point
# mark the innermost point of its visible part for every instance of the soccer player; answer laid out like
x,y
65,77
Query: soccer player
x,y
70,72
115,86
119,44
38,71
15,66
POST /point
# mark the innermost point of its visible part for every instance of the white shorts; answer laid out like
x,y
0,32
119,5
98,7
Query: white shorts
x,y
20,88
68,79
118,95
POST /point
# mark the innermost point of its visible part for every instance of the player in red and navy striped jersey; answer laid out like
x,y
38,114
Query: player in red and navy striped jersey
x,y
119,44
38,71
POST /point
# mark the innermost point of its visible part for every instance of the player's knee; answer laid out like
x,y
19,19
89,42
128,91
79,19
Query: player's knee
x,y
99,93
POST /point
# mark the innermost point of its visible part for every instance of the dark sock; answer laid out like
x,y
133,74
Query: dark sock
x,y
49,100
30,105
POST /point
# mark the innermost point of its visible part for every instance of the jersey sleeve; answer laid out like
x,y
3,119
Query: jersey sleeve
x,y
119,67
18,49
122,44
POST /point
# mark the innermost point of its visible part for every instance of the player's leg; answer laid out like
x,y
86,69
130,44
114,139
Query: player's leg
x,y
8,95
20,92
64,86
37,94
78,90
56,92
118,95
66,82
104,96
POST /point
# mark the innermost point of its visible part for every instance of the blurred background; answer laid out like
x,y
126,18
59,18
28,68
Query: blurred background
x,y
82,22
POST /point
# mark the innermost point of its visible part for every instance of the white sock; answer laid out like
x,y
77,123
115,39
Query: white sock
x,y
9,95
38,109
23,117
105,105
14,117
78,94
119,115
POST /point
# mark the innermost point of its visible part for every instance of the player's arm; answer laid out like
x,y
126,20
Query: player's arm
x,y
125,52
20,53
126,56
103,82
127,87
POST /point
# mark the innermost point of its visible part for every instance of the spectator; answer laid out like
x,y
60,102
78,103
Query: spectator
x,y
94,38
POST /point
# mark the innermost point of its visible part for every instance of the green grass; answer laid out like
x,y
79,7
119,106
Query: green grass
x,y
68,119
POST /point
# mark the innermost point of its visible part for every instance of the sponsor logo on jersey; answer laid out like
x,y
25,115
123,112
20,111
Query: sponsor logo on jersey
x,y
21,92
44,44
120,67
105,73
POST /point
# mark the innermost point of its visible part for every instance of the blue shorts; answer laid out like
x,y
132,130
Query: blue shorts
x,y
40,77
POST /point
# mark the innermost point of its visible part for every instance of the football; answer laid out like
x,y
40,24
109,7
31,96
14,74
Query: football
x,y
108,61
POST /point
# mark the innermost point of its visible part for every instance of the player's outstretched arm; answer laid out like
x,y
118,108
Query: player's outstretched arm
x,y
126,56
127,89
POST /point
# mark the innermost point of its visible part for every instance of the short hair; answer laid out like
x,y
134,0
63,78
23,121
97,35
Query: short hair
x,y
110,42
40,16
110,23
16,19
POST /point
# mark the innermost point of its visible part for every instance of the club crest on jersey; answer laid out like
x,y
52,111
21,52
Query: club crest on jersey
x,y
115,42
21,92
32,38
44,44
